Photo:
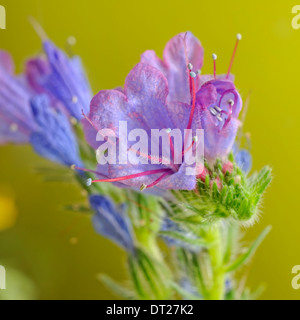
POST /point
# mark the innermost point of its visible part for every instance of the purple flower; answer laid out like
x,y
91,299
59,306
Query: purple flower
x,y
62,78
16,121
181,50
26,116
53,137
112,222
162,94
142,104
219,105
218,102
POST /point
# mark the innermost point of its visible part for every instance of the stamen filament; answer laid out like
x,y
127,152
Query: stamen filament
x,y
158,180
74,167
88,119
189,148
171,146
161,160
214,56
189,126
132,176
238,38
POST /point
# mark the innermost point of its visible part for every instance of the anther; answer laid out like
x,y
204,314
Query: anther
x,y
168,131
73,167
199,72
71,40
73,121
190,66
195,139
231,102
143,187
238,38
218,109
219,118
214,56
74,99
213,111
193,74
89,182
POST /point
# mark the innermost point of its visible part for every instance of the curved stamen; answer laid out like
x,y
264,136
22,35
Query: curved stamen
x,y
132,176
229,114
153,184
229,102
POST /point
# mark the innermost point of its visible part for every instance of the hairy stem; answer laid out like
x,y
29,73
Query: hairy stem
x,y
215,251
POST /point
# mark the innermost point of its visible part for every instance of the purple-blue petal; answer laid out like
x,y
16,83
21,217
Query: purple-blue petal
x,y
67,81
112,222
182,49
243,159
219,136
54,138
15,113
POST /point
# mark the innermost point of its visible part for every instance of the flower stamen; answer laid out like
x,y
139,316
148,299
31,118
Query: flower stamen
x,y
214,56
238,39
153,184
74,167
132,176
189,126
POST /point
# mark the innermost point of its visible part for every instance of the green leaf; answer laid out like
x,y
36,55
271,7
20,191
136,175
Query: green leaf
x,y
135,279
149,275
250,252
197,272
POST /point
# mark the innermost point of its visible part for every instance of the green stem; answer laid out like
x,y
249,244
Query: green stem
x,y
215,251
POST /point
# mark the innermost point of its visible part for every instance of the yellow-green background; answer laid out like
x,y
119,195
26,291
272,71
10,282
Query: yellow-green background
x,y
111,35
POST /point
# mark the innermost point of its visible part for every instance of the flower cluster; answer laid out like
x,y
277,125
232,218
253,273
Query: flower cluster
x,y
198,214
41,105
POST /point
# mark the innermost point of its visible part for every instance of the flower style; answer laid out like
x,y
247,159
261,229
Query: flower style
x,y
112,222
16,121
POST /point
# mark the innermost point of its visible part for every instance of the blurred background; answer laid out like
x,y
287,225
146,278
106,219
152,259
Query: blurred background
x,y
50,253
